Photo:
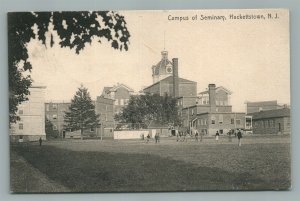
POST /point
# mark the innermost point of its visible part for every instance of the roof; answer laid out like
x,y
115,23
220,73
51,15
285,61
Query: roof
x,y
217,89
262,103
159,67
119,86
107,90
170,79
285,112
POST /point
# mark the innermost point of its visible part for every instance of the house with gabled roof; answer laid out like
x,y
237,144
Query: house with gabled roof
x,y
120,93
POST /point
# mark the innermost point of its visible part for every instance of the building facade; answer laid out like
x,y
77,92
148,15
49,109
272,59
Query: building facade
x,y
31,126
120,93
276,121
213,113
55,112
105,108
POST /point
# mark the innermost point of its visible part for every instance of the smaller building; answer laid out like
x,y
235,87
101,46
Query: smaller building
x,y
120,93
31,126
55,113
104,106
272,121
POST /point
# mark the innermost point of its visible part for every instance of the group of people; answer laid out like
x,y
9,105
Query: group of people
x,y
181,136
156,137
238,135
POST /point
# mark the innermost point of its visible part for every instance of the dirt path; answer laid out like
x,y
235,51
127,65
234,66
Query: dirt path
x,y
25,178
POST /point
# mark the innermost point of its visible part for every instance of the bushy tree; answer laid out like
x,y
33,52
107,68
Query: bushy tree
x,y
81,114
75,30
146,108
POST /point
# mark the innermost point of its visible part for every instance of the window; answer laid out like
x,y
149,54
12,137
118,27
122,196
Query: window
x,y
213,120
192,111
112,95
205,121
232,120
121,101
54,106
54,127
116,102
272,123
92,130
47,107
266,124
20,111
106,107
220,118
217,102
54,116
238,121
20,126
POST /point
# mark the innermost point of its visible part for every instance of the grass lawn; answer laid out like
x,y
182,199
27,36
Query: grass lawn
x,y
262,163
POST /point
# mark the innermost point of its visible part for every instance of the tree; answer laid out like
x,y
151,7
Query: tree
x,y
146,108
81,114
75,30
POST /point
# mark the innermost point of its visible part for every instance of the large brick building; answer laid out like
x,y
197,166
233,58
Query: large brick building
x,y
213,112
167,81
31,126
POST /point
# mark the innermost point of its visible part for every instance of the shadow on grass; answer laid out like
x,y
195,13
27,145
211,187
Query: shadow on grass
x,y
122,172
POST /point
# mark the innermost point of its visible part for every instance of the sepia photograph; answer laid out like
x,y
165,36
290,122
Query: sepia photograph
x,y
149,101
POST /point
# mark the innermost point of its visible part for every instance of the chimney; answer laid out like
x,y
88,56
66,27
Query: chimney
x,y
212,97
175,78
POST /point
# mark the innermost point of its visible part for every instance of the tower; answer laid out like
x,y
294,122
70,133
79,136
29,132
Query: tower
x,y
163,69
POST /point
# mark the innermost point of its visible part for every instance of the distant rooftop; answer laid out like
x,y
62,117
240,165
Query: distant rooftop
x,y
284,112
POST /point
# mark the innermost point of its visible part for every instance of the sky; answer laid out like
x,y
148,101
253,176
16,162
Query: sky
x,y
250,57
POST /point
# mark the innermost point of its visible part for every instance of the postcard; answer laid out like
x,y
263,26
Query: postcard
x,y
149,101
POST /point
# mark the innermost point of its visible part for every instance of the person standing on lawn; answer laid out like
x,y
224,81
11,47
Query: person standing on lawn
x,y
148,138
201,135
217,136
156,137
40,141
239,135
229,136
196,135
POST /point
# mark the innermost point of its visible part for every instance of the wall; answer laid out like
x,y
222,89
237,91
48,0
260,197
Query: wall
x,y
154,89
223,121
271,126
59,110
130,134
187,89
32,114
